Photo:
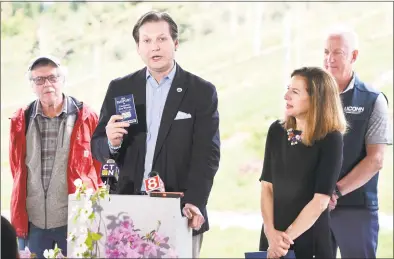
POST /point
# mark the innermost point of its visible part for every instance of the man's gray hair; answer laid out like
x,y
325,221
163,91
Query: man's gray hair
x,y
347,33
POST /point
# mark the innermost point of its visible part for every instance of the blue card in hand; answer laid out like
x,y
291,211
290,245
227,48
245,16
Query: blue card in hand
x,y
263,255
125,106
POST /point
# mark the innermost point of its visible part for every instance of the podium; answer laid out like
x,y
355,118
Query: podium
x,y
146,218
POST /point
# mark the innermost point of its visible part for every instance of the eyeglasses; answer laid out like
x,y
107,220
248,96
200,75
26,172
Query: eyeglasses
x,y
40,80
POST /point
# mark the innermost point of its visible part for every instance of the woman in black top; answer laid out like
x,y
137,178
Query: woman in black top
x,y
303,158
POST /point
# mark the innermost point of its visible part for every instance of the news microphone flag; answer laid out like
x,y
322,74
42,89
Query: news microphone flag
x,y
154,183
110,169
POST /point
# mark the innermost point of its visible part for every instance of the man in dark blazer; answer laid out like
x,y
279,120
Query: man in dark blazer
x,y
177,134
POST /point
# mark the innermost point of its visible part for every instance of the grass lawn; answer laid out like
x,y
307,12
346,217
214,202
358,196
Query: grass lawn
x,y
233,242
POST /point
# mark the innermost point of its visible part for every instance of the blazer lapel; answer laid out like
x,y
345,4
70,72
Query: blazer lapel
x,y
140,101
173,101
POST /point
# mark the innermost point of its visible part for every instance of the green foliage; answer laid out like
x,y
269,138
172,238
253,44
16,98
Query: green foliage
x,y
90,200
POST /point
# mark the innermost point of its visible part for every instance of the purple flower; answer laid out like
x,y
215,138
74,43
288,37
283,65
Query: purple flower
x,y
125,241
123,248
133,240
25,253
127,224
150,249
158,238
112,239
113,253
132,253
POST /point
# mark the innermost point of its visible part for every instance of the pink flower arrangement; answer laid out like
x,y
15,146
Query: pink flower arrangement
x,y
26,253
124,241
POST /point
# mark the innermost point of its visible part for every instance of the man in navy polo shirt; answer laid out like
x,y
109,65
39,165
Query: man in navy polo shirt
x,y
354,204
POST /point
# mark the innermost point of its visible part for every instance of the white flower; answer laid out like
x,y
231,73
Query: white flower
x,y
88,204
78,183
83,230
71,236
89,192
80,249
74,212
85,213
79,243
82,236
49,253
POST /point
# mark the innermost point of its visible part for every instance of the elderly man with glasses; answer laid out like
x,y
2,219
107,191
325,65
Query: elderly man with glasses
x,y
49,149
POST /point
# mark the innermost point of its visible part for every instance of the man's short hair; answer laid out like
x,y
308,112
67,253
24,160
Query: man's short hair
x,y
345,32
155,16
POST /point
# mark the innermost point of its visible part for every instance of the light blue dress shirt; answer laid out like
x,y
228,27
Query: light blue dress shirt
x,y
156,96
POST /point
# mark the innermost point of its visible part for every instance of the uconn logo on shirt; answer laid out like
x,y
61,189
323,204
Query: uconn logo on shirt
x,y
353,109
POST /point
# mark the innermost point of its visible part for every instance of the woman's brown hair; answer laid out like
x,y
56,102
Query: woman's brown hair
x,y
325,113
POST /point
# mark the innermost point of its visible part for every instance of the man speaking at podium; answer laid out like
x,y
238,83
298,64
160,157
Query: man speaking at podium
x,y
164,119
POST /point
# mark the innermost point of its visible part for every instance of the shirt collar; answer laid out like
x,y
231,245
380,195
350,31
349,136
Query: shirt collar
x,y
39,111
170,75
350,85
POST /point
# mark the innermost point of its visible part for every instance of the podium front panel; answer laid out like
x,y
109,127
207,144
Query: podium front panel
x,y
146,213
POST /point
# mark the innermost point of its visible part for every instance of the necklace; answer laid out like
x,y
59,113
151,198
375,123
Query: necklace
x,y
293,137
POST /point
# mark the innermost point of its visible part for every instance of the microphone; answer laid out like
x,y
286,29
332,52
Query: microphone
x,y
154,186
154,183
109,171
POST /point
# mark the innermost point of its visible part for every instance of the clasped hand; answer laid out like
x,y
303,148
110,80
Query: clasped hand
x,y
279,243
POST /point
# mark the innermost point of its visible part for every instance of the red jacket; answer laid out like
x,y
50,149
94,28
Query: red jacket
x,y
79,166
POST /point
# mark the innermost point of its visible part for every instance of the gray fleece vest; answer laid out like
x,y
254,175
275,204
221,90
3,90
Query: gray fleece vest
x,y
49,209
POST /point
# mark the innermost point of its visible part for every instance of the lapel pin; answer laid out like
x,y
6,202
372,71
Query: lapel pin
x,y
179,90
